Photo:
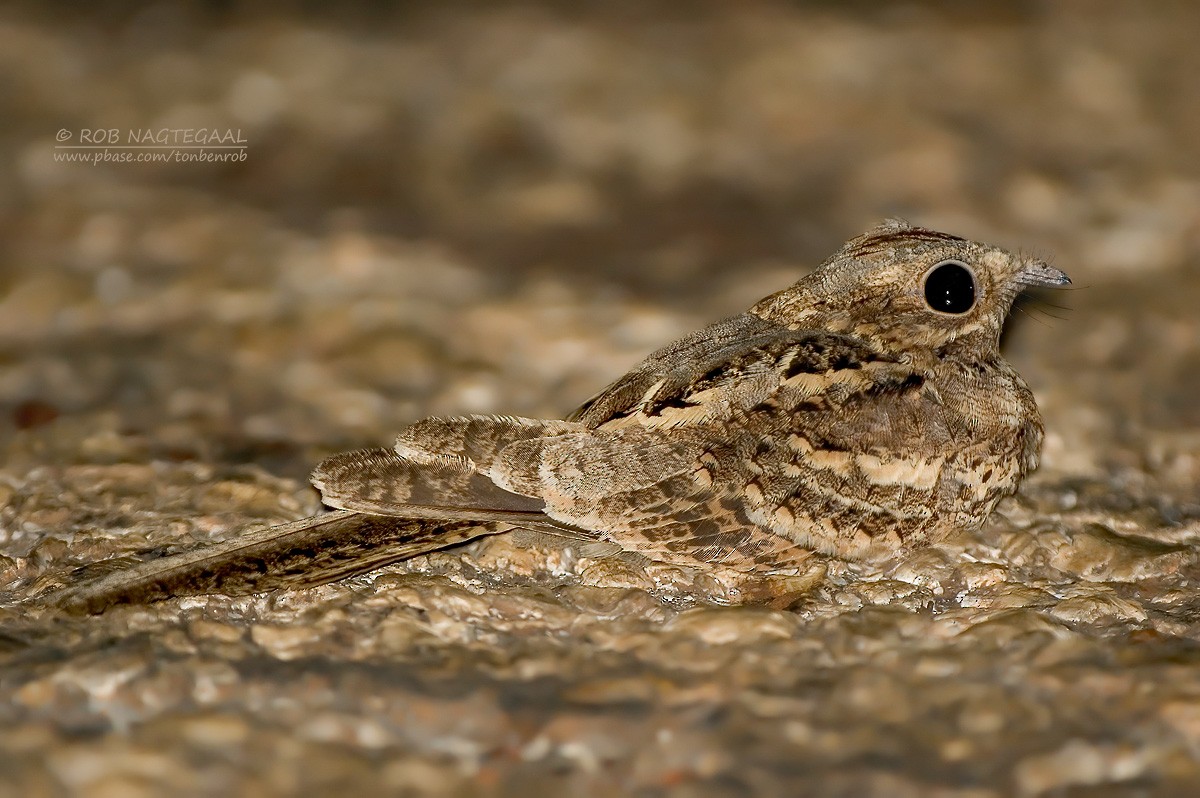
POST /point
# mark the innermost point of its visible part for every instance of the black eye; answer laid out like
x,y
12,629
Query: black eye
x,y
950,287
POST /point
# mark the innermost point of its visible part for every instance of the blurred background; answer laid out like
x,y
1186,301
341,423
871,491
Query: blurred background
x,y
498,207
468,207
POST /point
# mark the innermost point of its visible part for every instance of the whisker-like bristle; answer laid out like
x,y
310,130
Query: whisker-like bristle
x,y
1029,304
1029,315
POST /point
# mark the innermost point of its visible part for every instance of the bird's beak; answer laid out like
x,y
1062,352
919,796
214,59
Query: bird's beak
x,y
1038,273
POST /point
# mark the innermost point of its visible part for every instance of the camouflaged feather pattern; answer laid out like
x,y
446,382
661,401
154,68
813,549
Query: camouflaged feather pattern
x,y
846,414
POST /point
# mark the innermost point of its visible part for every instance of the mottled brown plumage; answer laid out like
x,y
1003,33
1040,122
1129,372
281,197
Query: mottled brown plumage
x,y
865,408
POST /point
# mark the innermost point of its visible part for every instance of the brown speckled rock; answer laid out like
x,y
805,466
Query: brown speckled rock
x,y
498,210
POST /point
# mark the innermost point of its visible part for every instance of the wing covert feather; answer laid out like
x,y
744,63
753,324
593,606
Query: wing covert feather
x,y
732,366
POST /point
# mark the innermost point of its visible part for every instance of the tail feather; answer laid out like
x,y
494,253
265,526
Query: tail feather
x,y
391,504
305,553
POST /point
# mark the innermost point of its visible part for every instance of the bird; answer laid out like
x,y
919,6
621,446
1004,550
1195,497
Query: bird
x,y
864,410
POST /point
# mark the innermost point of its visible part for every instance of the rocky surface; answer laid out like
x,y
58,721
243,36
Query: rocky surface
x,y
498,209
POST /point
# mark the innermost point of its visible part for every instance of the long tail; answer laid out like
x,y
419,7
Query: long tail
x,y
304,553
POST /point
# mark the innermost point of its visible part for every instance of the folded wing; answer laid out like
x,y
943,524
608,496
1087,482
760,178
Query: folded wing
x,y
731,367
438,469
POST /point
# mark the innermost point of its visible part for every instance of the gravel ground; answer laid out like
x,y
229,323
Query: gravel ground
x,y
498,209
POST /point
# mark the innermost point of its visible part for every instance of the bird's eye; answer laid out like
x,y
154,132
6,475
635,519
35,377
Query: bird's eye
x,y
950,287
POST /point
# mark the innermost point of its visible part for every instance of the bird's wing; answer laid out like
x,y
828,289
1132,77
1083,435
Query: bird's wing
x,y
439,469
733,366
782,441
381,482
675,366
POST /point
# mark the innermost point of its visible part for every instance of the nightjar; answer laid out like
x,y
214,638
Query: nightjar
x,y
865,408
